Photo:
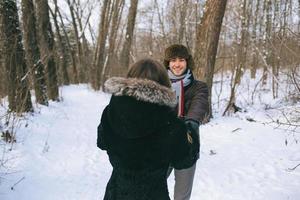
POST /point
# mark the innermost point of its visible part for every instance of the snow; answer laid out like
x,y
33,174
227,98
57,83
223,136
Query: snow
x,y
56,158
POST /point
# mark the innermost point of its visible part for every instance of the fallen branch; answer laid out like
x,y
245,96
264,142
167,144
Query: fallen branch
x,y
237,129
292,169
12,187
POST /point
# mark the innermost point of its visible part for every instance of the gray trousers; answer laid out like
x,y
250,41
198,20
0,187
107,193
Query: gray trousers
x,y
183,182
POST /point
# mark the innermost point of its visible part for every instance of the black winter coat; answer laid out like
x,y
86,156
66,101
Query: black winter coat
x,y
142,137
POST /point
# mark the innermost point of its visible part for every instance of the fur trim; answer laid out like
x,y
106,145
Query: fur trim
x,y
141,89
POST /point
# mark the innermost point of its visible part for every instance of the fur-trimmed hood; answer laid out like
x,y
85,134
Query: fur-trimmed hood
x,y
138,107
141,89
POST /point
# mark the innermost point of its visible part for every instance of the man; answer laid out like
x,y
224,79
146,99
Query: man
x,y
192,99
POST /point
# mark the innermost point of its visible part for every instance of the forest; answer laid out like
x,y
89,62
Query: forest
x,y
45,45
247,52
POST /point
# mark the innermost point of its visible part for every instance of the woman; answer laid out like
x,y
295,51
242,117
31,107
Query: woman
x,y
192,99
141,134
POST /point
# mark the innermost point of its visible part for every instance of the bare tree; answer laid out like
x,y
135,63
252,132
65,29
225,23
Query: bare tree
x,y
160,14
182,25
241,58
267,52
62,50
255,55
298,15
82,67
177,21
19,97
70,50
125,54
46,44
3,90
207,41
33,52
116,14
102,37
86,55
275,52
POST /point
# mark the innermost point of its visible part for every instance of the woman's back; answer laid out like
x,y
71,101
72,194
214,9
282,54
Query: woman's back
x,y
140,138
141,134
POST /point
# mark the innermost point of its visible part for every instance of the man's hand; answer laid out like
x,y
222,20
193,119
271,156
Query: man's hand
x,y
193,137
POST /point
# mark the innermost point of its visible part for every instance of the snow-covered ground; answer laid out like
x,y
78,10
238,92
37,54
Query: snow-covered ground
x,y
56,158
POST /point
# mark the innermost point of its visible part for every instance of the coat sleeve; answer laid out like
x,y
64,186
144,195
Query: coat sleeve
x,y
102,131
183,148
198,108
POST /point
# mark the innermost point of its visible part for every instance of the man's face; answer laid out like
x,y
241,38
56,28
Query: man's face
x,y
178,66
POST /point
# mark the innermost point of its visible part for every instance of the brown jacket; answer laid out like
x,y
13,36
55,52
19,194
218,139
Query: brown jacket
x,y
196,101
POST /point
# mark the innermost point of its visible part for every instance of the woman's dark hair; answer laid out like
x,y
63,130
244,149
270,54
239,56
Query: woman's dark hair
x,y
151,70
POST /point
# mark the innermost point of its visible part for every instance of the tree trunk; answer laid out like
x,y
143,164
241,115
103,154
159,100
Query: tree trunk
x,y
267,42
3,91
276,52
255,55
241,58
111,56
79,56
71,53
182,19
243,43
7,45
298,16
161,23
32,52
62,51
100,50
19,97
85,53
207,41
125,54
197,19
46,44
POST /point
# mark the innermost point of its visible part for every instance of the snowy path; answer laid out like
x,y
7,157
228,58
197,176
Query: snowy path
x,y
59,160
